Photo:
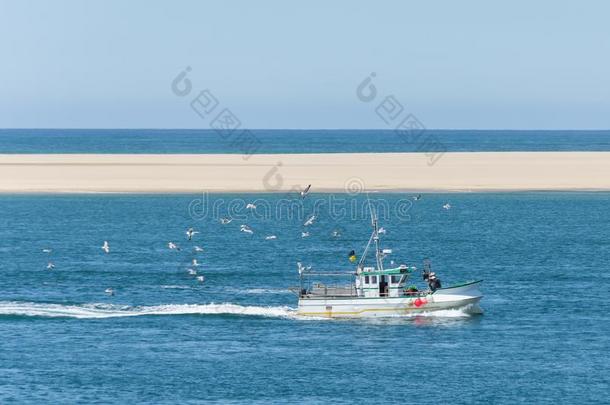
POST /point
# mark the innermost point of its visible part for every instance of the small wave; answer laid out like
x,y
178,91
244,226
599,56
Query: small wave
x,y
466,311
99,311
267,291
463,312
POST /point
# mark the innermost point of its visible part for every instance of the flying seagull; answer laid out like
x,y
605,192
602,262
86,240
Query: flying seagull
x,y
195,263
198,249
310,220
246,229
250,206
304,234
381,230
305,191
172,246
447,206
201,279
417,197
190,233
106,247
225,221
192,272
47,250
302,268
50,266
270,237
109,291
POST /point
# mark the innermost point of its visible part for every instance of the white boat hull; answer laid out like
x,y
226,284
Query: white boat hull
x,y
456,297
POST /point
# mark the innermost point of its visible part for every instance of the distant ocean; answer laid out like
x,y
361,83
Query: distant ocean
x,y
292,141
164,338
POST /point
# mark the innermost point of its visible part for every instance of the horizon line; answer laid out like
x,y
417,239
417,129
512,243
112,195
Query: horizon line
x,y
301,129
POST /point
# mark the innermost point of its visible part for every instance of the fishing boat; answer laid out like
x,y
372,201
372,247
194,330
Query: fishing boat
x,y
374,291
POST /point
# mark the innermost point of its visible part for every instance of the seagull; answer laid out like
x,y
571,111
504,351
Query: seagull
x,y
270,237
47,250
198,249
195,263
336,234
172,246
50,266
304,234
250,206
381,230
447,206
302,268
305,192
106,247
201,279
417,197
192,272
310,220
190,233
246,229
109,291
225,221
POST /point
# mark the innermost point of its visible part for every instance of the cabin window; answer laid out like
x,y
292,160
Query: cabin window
x,y
395,279
374,279
366,279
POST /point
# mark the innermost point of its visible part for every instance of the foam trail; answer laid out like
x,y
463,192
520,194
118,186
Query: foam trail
x,y
466,311
98,311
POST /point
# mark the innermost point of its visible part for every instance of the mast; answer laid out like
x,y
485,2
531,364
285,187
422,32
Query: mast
x,y
375,236
378,254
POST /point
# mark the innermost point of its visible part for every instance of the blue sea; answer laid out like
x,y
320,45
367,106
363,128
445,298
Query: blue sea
x,y
165,338
294,141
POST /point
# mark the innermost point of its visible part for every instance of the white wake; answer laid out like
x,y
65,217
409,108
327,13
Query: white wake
x,y
97,311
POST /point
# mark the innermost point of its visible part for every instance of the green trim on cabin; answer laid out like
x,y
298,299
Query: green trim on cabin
x,y
396,270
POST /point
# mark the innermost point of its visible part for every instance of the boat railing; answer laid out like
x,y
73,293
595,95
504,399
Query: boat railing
x,y
342,290
331,290
415,294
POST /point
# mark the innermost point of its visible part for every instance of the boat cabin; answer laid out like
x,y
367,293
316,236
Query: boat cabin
x,y
382,283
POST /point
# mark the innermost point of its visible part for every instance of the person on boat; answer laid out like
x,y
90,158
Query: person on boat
x,y
434,282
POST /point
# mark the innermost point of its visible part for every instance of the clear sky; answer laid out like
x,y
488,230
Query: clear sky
x,y
296,64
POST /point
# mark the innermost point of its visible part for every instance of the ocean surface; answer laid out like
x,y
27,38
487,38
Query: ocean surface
x,y
165,338
293,141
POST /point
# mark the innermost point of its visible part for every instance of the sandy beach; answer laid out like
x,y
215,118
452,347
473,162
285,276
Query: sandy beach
x,y
480,171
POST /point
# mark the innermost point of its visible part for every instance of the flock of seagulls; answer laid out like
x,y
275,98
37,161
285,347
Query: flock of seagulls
x,y
191,232
192,269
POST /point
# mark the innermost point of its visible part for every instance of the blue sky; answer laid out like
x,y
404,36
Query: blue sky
x,y
282,64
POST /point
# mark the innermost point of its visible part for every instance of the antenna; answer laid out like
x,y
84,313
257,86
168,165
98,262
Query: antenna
x,y
375,235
